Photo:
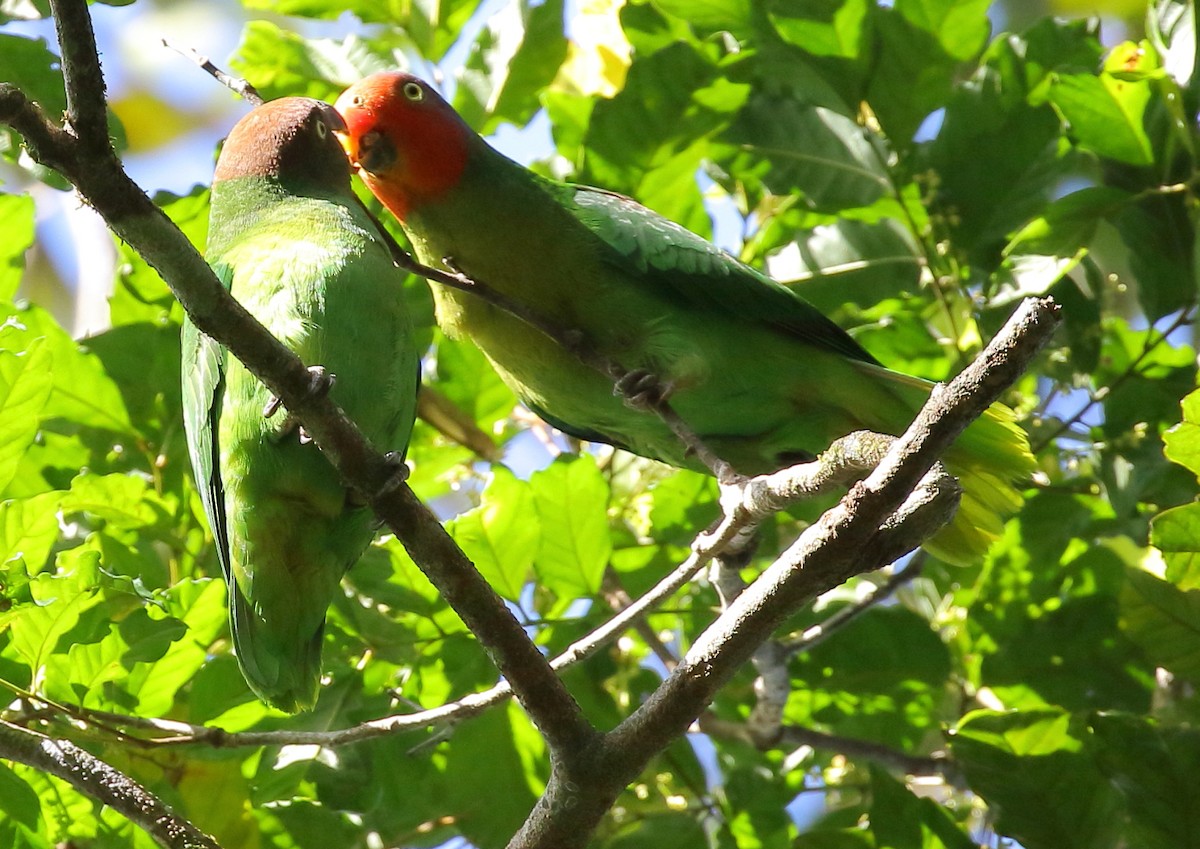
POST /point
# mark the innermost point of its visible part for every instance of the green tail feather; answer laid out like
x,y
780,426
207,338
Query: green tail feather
x,y
990,457
283,671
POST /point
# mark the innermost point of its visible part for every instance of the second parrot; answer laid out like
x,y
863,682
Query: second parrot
x,y
756,371
290,240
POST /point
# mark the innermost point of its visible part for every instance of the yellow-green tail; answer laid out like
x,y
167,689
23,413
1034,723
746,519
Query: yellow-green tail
x,y
990,458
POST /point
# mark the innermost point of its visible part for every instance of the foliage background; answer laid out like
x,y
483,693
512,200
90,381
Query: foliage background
x,y
914,169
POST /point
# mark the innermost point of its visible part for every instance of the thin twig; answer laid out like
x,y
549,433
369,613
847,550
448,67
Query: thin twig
x,y
237,85
810,637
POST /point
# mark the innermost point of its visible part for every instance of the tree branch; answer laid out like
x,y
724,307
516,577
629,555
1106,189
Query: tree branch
x,y
93,777
793,736
847,540
96,172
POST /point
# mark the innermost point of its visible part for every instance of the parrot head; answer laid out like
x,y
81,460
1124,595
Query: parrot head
x,y
292,140
408,144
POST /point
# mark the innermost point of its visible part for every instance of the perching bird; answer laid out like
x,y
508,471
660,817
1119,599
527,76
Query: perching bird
x,y
292,243
760,375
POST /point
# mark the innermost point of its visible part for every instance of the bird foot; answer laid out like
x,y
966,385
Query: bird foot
x,y
642,389
320,381
397,474
398,470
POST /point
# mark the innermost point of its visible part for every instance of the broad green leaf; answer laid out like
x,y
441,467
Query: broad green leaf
x,y
466,378
824,28
735,16
17,799
670,830
498,748
281,63
83,393
652,119
879,702
1176,533
29,528
1067,224
571,497
501,535
123,500
898,818
16,236
1151,765
823,154
59,599
1164,621
960,27
25,384
851,262
1106,113
140,294
367,11
1182,442
1031,769
502,81
29,65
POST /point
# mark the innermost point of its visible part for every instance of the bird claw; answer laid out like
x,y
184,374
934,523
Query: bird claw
x,y
398,472
320,382
642,389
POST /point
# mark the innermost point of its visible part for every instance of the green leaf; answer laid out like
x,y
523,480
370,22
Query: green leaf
x,y
823,27
712,15
1176,533
123,500
825,155
18,801
1152,766
1182,442
59,599
28,529
25,383
1067,224
1164,621
497,84
16,236
280,63
1106,113
501,535
670,830
83,393
898,818
466,377
496,749
571,497
1031,769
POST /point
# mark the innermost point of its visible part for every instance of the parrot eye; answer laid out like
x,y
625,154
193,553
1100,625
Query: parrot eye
x,y
322,130
414,92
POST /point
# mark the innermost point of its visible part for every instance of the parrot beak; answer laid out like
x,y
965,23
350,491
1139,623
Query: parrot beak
x,y
371,152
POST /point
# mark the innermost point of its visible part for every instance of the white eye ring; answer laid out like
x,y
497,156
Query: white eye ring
x,y
322,130
413,91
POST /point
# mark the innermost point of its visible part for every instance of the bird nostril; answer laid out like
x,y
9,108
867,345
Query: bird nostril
x,y
375,152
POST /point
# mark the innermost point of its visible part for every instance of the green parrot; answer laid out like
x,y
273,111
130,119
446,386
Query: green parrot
x,y
292,243
761,376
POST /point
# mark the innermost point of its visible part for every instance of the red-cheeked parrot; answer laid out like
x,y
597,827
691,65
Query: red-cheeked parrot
x,y
292,243
755,370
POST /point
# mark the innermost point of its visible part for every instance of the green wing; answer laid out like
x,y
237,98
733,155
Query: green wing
x,y
203,387
698,275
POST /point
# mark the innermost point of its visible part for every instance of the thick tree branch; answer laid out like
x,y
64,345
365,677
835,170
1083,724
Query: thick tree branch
x,y
846,541
93,777
95,171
